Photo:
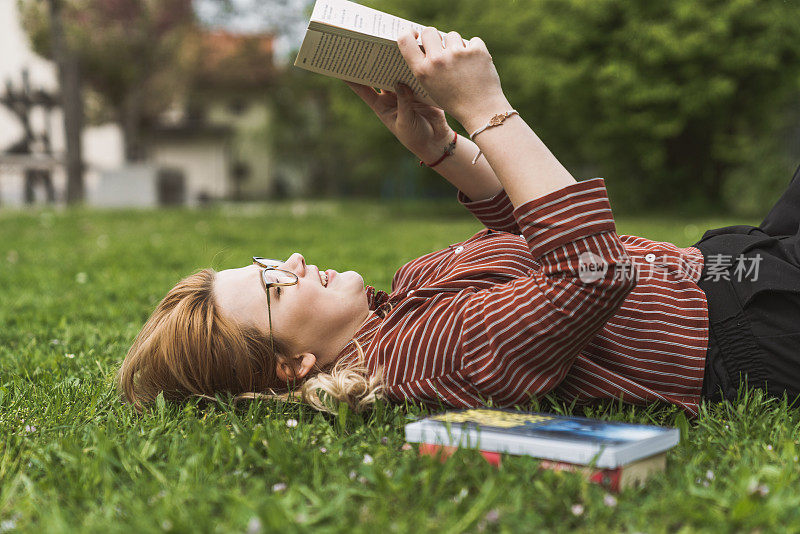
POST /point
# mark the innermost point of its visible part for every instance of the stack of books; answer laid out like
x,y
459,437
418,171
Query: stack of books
x,y
615,455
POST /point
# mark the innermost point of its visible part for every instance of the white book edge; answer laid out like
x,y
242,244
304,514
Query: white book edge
x,y
358,44
608,456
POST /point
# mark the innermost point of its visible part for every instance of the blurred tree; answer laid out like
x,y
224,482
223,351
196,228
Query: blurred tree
x,y
71,101
666,99
135,54
670,101
304,132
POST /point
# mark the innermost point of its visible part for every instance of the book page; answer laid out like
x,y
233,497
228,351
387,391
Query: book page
x,y
355,17
358,44
348,56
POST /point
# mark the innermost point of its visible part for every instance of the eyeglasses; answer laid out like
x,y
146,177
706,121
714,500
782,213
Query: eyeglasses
x,y
271,277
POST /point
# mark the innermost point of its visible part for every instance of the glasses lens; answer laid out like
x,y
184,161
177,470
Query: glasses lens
x,y
276,276
266,262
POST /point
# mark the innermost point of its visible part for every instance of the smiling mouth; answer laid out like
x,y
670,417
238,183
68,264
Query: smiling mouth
x,y
326,277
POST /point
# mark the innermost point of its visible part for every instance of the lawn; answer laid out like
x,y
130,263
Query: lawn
x,y
76,286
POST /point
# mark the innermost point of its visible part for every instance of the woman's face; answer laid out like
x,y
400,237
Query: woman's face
x,y
311,316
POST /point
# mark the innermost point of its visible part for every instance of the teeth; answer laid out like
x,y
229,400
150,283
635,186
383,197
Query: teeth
x,y
323,277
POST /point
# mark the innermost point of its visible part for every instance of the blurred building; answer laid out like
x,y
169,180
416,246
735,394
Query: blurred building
x,y
102,144
212,144
219,135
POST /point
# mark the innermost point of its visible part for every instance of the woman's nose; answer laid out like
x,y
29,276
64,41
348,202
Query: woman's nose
x,y
296,263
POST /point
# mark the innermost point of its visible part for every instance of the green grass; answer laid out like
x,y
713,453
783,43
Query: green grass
x,y
76,286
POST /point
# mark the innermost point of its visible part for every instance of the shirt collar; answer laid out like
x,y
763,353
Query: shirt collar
x,y
377,301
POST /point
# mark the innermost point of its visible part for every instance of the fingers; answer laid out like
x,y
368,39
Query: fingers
x,y
407,42
454,40
366,93
405,100
477,42
432,42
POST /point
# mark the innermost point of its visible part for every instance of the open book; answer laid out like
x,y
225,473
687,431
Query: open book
x,y
358,44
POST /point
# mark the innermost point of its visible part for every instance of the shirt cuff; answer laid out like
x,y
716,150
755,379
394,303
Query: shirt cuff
x,y
574,212
496,213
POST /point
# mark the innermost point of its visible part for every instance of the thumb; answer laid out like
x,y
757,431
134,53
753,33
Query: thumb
x,y
405,98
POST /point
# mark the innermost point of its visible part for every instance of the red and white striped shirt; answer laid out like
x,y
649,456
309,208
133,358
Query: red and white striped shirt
x,y
505,314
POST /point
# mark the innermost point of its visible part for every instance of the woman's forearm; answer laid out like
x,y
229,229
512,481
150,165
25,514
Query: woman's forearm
x,y
522,163
477,181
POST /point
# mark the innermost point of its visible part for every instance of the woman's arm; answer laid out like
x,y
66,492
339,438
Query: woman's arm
x,y
464,81
423,129
477,181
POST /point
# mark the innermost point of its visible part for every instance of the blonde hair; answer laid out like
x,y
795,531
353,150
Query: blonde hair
x,y
187,348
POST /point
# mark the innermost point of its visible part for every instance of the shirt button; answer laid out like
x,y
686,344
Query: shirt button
x,y
458,249
650,257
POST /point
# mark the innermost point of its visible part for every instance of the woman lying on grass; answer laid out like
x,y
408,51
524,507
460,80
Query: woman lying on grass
x,y
547,298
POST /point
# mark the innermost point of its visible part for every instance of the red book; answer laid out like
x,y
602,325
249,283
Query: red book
x,y
613,479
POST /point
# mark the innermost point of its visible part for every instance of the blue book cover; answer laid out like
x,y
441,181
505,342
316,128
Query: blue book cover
x,y
578,440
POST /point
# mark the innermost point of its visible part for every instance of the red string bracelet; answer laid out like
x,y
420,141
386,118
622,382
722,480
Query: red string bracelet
x,y
447,152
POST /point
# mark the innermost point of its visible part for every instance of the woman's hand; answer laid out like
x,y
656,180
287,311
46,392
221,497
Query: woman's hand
x,y
460,76
421,128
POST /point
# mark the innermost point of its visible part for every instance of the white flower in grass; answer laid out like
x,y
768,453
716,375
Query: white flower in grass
x,y
30,428
166,524
406,447
710,474
291,423
368,459
254,526
323,450
577,509
82,278
609,500
492,516
769,447
69,355
461,494
280,486
754,487
352,475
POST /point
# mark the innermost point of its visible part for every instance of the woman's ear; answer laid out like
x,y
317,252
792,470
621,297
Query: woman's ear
x,y
295,367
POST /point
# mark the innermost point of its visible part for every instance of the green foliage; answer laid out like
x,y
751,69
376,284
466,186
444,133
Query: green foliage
x,y
77,285
677,103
